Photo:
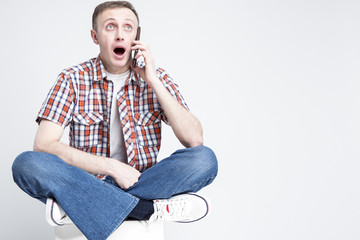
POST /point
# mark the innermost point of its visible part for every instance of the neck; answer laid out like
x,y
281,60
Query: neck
x,y
115,70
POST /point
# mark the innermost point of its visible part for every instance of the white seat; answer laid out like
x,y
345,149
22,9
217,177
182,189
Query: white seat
x,y
134,230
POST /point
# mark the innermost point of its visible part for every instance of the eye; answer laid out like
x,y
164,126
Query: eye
x,y
110,27
128,27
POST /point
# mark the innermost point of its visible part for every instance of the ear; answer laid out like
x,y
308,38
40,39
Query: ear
x,y
94,36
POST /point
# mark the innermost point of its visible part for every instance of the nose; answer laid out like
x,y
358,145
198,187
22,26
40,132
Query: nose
x,y
119,36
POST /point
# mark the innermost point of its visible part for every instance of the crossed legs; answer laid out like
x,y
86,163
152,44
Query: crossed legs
x,y
99,207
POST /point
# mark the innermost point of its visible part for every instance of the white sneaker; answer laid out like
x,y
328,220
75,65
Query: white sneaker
x,y
184,208
55,215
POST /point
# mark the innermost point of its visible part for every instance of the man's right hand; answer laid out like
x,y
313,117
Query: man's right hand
x,y
125,175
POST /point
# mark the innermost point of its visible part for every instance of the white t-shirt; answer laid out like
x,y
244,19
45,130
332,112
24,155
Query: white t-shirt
x,y
117,144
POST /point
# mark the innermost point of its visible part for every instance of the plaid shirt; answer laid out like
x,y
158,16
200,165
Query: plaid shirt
x,y
81,98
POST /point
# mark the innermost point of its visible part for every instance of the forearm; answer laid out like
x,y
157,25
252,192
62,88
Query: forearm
x,y
47,140
83,160
125,175
185,125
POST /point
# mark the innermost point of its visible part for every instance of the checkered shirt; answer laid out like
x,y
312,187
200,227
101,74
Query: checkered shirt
x,y
81,97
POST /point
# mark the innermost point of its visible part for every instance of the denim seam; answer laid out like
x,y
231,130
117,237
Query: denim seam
x,y
119,221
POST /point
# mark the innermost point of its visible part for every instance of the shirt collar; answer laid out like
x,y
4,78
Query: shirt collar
x,y
99,70
100,73
134,77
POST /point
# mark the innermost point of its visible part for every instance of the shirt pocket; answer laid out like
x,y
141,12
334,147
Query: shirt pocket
x,y
148,128
87,129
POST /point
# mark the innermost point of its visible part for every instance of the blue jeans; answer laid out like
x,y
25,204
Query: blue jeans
x,y
98,207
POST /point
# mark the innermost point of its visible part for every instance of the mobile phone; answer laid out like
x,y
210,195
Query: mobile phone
x,y
134,52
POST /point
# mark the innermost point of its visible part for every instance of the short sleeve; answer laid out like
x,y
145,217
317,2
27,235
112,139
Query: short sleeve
x,y
173,88
59,104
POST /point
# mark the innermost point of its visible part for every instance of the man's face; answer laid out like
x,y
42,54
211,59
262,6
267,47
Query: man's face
x,y
115,32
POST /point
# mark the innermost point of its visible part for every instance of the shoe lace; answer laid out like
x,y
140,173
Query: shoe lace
x,y
174,209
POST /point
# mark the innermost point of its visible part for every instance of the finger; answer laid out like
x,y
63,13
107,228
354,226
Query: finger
x,y
127,185
147,57
137,42
140,54
142,47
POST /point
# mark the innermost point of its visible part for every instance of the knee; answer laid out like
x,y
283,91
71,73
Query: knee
x,y
28,164
205,161
21,164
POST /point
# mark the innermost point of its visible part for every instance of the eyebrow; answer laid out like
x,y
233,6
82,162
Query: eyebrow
x,y
109,19
114,19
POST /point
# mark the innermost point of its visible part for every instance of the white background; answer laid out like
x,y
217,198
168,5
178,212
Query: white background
x,y
274,83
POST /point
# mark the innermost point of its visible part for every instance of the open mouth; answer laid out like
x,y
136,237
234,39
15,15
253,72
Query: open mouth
x,y
119,51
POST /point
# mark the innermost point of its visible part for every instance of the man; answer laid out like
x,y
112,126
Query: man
x,y
109,172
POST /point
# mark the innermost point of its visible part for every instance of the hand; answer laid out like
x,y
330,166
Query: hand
x,y
125,175
148,73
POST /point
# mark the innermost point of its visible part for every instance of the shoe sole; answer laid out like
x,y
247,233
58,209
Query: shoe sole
x,y
207,202
49,213
50,206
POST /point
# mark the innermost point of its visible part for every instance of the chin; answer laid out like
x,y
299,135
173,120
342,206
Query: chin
x,y
120,67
